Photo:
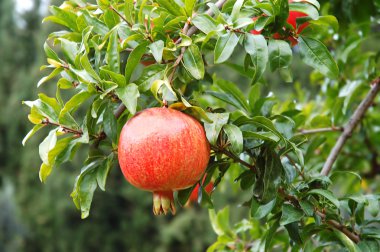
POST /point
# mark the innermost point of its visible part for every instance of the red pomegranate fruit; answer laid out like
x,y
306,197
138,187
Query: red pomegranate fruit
x,y
163,150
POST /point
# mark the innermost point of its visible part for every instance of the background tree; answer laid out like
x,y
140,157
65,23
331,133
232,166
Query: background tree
x,y
300,202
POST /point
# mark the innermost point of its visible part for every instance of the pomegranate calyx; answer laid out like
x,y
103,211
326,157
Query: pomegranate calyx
x,y
163,202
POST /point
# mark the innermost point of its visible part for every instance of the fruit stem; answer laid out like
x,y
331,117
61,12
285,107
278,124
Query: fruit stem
x,y
165,104
163,201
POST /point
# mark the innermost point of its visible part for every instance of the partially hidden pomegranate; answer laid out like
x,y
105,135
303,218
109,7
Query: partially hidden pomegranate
x,y
163,150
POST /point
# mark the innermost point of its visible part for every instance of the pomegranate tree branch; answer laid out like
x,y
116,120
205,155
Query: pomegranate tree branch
x,y
63,127
351,125
320,130
333,223
234,157
354,237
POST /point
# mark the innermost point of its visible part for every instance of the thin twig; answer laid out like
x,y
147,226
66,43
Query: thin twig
x,y
120,15
63,127
320,130
295,202
351,125
354,237
234,157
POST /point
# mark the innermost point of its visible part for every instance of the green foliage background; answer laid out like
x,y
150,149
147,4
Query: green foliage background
x,y
41,217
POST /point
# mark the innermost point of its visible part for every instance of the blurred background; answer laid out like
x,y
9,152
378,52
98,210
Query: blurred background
x,y
42,217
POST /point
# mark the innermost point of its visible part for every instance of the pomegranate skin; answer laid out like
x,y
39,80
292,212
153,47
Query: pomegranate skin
x,y
163,150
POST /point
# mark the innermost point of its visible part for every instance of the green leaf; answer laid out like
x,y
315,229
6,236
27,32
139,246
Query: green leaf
x,y
189,7
205,23
259,121
326,194
98,26
290,214
103,171
269,174
205,199
172,7
63,17
347,242
193,62
46,145
308,9
315,54
113,55
84,187
260,211
184,195
235,137
36,128
164,88
369,246
74,103
236,10
110,123
234,95
294,232
54,73
129,8
307,207
50,52
256,46
69,49
224,47
133,60
266,136
157,49
129,95
84,61
220,221
119,79
280,54
213,129
149,75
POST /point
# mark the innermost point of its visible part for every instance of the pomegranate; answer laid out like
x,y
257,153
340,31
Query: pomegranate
x,y
163,150
292,20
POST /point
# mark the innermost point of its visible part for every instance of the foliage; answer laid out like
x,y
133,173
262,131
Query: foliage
x,y
260,143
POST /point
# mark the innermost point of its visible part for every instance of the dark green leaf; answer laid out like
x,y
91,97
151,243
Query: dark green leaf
x,y
290,214
133,60
326,194
280,54
315,54
235,137
110,123
103,171
256,47
113,55
183,195
260,211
